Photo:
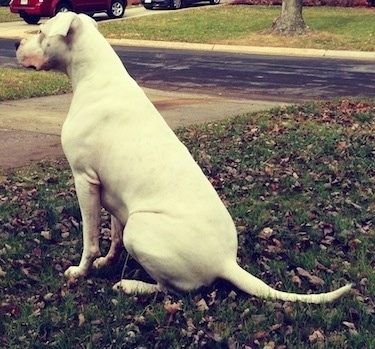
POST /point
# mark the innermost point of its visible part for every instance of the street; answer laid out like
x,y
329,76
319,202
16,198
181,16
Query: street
x,y
240,75
250,76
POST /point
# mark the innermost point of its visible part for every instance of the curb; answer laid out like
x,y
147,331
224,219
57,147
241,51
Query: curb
x,y
18,33
258,50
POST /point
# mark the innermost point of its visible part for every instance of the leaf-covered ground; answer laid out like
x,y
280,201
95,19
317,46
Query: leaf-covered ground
x,y
299,182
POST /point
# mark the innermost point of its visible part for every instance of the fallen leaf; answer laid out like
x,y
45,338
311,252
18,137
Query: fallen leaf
x,y
270,345
296,280
172,308
81,319
11,309
341,146
317,336
351,327
303,272
315,280
46,234
266,233
202,305
260,334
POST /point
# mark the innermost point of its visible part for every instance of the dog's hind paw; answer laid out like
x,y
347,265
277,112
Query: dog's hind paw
x,y
100,262
135,287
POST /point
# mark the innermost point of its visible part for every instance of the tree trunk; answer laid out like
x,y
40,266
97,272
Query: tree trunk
x,y
290,21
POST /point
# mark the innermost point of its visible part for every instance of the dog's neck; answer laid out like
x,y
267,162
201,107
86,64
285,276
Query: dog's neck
x,y
85,67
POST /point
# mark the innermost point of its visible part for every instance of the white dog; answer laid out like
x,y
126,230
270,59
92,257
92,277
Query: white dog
x,y
125,158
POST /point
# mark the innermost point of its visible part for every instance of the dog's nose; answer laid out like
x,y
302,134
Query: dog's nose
x,y
17,44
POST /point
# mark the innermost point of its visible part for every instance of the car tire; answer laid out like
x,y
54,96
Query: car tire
x,y
116,10
62,7
176,4
148,7
214,2
31,19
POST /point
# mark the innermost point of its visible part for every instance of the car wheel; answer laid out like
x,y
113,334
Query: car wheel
x,y
148,7
214,2
117,9
176,4
62,7
31,19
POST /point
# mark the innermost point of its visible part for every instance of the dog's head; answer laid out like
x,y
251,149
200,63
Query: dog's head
x,y
51,47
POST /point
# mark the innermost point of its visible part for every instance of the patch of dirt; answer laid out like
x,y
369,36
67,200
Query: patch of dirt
x,y
21,148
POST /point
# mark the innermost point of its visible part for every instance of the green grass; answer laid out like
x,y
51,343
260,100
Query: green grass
x,y
23,83
7,16
335,28
306,172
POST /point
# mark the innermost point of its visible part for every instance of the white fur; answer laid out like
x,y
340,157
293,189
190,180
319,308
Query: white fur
x,y
125,158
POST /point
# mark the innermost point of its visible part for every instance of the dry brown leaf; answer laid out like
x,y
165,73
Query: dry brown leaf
x,y
269,345
351,327
315,280
303,272
266,233
317,336
81,319
202,305
296,280
341,146
46,234
172,308
260,334
2,272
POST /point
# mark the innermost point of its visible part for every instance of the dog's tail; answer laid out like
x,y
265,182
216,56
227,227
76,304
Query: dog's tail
x,y
254,286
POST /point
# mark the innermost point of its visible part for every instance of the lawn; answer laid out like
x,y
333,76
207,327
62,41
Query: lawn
x,y
298,182
23,83
335,27
7,16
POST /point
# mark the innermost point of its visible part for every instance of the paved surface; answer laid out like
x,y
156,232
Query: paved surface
x,y
30,129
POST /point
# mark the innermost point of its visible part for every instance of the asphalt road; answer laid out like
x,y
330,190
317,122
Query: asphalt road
x,y
240,75
250,76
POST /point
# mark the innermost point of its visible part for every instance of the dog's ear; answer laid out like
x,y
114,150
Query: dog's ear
x,y
59,25
88,19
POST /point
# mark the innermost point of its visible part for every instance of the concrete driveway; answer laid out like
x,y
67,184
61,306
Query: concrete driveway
x,y
30,128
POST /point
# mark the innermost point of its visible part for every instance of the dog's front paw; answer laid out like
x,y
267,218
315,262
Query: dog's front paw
x,y
74,272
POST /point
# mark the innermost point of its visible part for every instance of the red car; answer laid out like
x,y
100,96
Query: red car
x,y
33,10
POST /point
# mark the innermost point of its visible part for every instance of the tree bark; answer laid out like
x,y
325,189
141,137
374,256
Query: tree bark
x,y
290,21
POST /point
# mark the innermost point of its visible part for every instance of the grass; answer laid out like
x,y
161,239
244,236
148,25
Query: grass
x,y
306,172
22,83
336,28
7,16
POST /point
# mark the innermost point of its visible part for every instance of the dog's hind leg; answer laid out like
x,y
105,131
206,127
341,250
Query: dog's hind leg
x,y
116,245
